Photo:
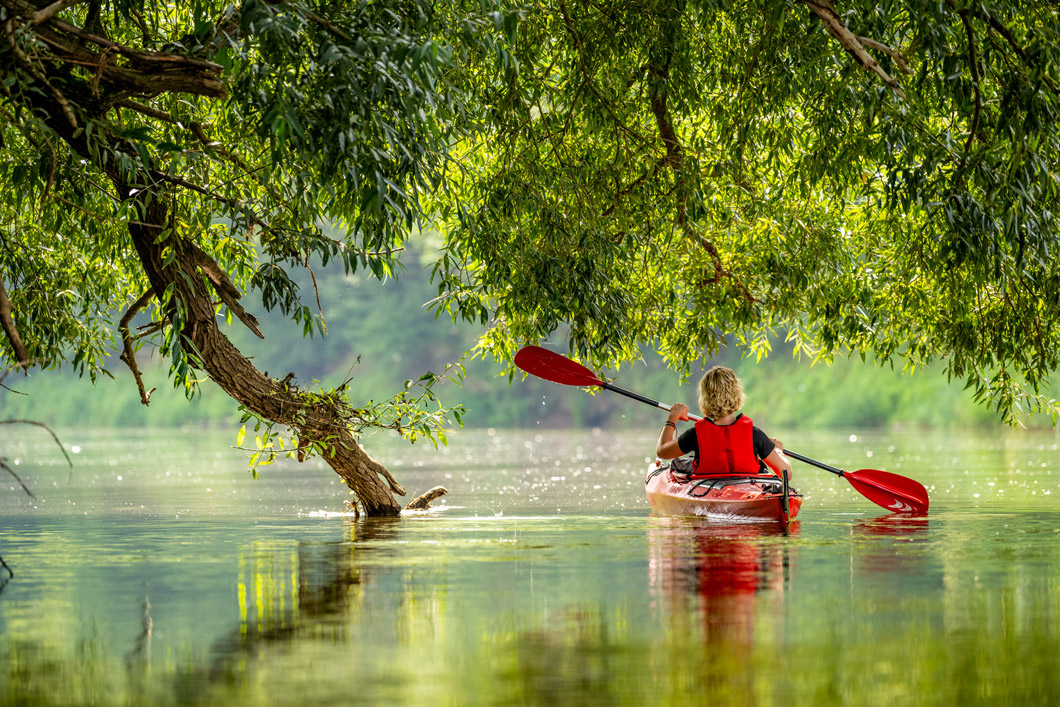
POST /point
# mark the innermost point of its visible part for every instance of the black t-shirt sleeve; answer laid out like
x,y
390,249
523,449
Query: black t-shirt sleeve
x,y
688,442
763,445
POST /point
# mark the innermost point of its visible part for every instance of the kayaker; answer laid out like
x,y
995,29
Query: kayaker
x,y
726,442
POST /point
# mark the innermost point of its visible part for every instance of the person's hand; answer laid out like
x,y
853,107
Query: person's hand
x,y
778,443
678,412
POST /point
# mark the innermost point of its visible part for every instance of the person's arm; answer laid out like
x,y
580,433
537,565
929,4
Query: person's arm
x,y
667,448
777,461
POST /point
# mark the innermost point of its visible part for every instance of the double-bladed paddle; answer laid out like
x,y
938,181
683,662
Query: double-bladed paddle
x,y
891,491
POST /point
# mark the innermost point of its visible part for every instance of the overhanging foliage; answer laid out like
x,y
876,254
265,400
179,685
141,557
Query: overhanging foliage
x,y
871,178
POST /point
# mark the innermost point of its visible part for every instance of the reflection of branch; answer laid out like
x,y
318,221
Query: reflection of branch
x,y
128,355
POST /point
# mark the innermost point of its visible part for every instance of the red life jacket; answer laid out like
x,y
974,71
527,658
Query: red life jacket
x,y
726,450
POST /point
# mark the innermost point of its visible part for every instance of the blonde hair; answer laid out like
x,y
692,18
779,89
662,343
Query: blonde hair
x,y
720,392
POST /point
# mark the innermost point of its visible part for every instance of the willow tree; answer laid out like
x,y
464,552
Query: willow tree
x,y
170,157
878,178
873,177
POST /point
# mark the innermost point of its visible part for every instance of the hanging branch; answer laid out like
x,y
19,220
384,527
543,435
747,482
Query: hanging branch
x,y
52,10
973,62
36,73
5,467
1010,38
8,469
41,424
128,355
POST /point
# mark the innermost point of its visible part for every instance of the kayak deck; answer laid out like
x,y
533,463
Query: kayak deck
x,y
730,498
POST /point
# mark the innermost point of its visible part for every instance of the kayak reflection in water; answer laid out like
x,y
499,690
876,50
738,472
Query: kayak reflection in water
x,y
726,441
721,588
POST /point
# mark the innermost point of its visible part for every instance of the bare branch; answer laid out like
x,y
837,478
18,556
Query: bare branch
x,y
128,355
835,25
381,470
423,501
389,478
146,110
222,284
52,10
903,65
8,322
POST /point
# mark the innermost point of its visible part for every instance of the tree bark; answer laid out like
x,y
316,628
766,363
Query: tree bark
x,y
7,320
272,399
191,272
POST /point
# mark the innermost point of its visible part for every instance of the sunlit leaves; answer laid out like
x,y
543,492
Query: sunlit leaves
x,y
849,217
414,413
337,119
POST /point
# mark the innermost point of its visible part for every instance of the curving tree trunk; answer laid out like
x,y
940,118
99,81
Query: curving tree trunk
x,y
194,276
189,272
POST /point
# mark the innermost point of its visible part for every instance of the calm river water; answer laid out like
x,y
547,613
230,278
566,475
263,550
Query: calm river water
x,y
158,572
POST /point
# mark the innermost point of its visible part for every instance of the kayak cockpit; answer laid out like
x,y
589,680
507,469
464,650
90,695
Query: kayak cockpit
x,y
673,490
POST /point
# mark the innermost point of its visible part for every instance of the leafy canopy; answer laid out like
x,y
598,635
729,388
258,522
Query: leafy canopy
x,y
280,135
877,178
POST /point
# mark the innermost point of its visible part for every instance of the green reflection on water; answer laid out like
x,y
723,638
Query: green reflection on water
x,y
136,592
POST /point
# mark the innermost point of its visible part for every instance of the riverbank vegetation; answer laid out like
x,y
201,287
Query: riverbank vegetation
x,y
697,179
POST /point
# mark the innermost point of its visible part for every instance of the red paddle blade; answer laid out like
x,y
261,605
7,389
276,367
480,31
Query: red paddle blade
x,y
552,367
895,493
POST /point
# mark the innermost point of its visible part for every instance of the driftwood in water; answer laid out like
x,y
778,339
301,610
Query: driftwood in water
x,y
423,501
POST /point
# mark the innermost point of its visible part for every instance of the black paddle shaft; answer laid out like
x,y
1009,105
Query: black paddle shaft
x,y
814,462
631,394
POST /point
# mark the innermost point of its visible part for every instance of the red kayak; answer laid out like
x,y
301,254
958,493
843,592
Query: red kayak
x,y
730,498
